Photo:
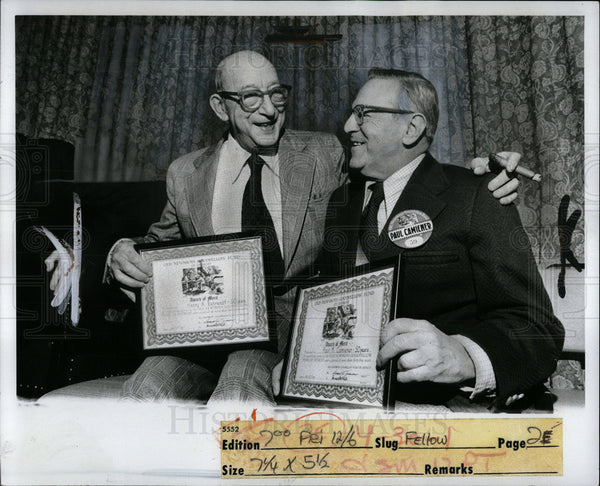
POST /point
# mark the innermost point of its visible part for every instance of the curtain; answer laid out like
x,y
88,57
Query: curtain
x,y
526,77
131,93
55,65
143,97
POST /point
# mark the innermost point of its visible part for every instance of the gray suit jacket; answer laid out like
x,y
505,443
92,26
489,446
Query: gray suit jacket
x,y
311,168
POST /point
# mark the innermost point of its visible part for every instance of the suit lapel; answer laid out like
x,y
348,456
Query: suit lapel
x,y
349,219
201,184
422,189
296,173
421,192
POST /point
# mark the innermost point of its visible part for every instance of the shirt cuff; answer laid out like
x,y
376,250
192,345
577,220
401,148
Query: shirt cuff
x,y
108,277
485,381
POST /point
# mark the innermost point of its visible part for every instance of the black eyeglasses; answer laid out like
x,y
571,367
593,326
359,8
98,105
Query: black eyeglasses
x,y
251,99
359,112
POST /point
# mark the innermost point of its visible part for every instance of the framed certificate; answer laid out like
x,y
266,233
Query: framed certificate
x,y
205,291
335,340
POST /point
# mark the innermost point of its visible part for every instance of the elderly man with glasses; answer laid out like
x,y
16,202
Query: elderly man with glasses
x,y
258,177
472,310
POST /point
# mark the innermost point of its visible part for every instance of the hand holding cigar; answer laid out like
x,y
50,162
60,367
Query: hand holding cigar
x,y
497,164
504,186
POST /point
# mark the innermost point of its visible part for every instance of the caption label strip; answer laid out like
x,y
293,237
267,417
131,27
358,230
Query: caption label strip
x,y
336,447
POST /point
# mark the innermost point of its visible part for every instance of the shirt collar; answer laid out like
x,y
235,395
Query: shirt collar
x,y
399,178
236,157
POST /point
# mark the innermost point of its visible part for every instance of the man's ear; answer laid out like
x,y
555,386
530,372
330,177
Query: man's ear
x,y
218,106
415,129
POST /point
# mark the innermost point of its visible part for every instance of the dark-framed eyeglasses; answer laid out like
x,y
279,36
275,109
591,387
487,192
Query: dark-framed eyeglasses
x,y
251,99
359,112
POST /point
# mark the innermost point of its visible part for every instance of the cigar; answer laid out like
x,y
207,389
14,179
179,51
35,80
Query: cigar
x,y
494,164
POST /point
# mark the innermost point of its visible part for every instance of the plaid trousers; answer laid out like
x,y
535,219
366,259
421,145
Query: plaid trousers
x,y
246,377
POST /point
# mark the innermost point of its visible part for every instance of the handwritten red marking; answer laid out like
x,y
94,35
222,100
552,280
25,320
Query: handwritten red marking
x,y
318,429
318,413
252,426
309,425
474,457
351,464
243,431
450,429
400,434
368,435
447,459
397,467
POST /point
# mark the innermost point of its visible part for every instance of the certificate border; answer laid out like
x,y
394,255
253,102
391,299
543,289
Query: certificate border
x,y
346,394
203,247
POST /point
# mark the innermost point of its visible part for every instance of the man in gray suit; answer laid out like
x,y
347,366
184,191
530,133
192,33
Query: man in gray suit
x,y
205,197
206,194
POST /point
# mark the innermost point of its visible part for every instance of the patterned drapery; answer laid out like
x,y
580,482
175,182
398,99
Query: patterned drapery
x,y
526,86
132,92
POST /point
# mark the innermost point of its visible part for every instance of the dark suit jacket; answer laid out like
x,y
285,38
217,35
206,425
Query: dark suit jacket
x,y
311,168
476,276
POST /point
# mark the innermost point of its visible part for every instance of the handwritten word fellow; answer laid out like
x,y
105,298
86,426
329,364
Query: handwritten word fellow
x,y
412,438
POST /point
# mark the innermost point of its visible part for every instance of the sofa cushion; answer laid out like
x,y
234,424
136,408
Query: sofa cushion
x,y
101,388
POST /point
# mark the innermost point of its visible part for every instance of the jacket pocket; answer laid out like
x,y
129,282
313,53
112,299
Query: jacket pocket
x,y
430,257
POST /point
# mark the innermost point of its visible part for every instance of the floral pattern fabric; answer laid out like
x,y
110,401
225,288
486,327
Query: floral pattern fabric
x,y
527,94
132,92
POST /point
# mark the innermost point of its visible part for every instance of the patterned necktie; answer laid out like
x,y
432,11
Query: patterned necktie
x,y
369,230
256,218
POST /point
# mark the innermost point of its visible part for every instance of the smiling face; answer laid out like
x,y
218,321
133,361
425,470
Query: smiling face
x,y
377,145
261,128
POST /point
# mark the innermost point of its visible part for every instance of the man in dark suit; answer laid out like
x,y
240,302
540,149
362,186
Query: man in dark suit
x,y
473,310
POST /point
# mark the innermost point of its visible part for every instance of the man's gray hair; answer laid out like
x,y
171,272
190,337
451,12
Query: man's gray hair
x,y
420,92
219,76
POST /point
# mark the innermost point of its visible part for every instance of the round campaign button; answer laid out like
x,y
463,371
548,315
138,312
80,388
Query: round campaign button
x,y
410,228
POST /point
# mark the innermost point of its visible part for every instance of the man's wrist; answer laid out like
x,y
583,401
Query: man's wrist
x,y
485,381
108,276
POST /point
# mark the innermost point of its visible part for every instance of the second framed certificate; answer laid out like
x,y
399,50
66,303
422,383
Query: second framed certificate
x,y
335,340
204,292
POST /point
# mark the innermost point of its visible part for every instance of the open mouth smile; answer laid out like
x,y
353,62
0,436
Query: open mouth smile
x,y
266,125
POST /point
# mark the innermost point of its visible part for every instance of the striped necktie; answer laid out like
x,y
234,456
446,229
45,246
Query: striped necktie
x,y
369,231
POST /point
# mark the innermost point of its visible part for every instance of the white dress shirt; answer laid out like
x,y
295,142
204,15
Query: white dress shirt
x,y
232,175
393,186
231,178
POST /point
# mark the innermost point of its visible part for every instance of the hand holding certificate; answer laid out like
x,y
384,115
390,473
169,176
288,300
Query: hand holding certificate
x,y
204,292
335,340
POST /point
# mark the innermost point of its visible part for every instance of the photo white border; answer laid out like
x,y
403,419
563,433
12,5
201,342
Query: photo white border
x,y
179,450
